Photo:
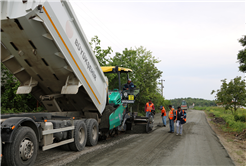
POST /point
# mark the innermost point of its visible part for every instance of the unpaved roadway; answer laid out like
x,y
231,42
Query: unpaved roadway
x,y
197,146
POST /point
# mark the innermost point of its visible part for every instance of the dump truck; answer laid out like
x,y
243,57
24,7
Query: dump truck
x,y
184,105
44,47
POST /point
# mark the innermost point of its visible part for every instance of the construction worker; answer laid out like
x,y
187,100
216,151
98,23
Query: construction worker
x,y
180,119
163,115
171,119
148,107
129,85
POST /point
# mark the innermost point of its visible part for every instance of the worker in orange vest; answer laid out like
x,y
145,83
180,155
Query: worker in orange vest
x,y
163,115
148,107
180,119
171,119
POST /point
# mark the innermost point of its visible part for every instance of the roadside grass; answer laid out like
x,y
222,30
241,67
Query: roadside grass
x,y
232,124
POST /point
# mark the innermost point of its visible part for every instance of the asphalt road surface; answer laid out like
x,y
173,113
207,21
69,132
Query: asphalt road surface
x,y
198,145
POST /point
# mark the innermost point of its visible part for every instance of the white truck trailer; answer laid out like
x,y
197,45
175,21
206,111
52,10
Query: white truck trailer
x,y
44,46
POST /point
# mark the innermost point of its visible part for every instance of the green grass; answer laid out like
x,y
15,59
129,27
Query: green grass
x,y
231,124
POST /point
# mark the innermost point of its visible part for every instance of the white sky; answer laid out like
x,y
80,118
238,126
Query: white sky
x,y
197,42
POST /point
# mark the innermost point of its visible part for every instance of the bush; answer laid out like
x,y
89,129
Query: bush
x,y
234,122
14,110
241,118
236,117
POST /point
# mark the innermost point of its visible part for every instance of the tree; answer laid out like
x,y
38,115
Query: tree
x,y
241,56
145,74
231,95
9,98
101,54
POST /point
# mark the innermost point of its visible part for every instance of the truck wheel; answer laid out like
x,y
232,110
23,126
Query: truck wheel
x,y
80,136
92,132
23,150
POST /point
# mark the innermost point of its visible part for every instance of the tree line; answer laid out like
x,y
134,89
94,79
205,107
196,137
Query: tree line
x,y
197,102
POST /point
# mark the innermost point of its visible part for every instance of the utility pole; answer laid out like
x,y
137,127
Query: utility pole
x,y
162,86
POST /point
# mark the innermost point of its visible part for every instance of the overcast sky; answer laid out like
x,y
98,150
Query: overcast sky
x,y
197,42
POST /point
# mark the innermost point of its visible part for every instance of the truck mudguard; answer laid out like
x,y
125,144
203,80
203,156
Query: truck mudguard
x,y
10,125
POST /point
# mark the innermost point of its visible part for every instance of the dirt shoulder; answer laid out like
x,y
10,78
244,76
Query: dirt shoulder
x,y
235,147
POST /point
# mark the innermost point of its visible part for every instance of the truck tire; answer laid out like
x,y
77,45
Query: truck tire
x,y
80,136
23,150
92,132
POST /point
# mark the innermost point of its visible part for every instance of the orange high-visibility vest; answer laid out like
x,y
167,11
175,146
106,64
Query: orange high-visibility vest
x,y
149,107
177,115
170,115
163,111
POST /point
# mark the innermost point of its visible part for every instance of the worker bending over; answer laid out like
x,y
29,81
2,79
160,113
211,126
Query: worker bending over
x,y
163,115
171,119
148,107
180,119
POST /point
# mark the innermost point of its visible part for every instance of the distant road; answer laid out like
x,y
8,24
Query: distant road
x,y
197,146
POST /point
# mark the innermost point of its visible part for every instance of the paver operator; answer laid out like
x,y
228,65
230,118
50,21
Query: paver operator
x,y
180,119
148,107
171,119
163,115
129,85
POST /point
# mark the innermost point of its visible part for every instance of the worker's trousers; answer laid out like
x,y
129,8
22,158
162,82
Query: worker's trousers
x,y
179,127
171,124
164,120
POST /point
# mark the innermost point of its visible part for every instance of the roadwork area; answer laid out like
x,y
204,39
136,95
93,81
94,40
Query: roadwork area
x,y
58,156
198,145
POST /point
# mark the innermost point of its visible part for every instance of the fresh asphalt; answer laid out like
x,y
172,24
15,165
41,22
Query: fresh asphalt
x,y
198,145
